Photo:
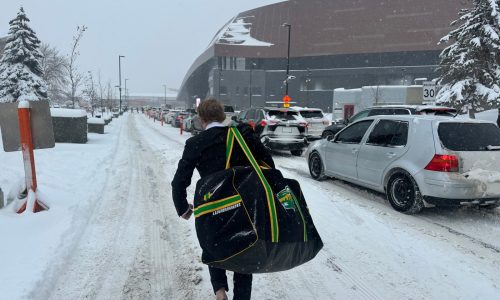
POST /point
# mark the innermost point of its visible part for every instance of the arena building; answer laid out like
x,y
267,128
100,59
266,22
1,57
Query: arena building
x,y
333,44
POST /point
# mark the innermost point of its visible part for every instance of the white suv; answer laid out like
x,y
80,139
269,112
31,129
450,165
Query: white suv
x,y
316,121
278,128
416,160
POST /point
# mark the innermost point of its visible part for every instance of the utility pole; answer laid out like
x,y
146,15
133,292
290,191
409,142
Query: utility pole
x,y
125,95
289,26
165,87
120,79
252,65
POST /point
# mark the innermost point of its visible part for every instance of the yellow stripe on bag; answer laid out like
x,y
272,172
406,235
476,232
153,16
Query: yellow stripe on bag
x,y
216,205
273,219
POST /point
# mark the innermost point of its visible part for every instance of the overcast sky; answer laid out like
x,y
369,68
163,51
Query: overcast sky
x,y
160,38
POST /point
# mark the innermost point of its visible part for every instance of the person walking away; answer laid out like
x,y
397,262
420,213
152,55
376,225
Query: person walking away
x,y
207,153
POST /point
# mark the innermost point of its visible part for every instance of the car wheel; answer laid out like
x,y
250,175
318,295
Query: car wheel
x,y
404,194
296,152
316,166
327,134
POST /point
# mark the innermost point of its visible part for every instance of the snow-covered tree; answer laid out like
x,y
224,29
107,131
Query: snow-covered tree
x,y
470,67
20,71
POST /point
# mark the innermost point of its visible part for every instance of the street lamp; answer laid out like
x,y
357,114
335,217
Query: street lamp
x,y
165,87
252,65
120,78
125,95
289,26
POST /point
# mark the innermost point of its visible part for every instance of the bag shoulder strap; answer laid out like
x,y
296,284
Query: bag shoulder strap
x,y
234,134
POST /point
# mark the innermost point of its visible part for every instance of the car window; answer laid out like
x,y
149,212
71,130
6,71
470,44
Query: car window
x,y
389,133
354,133
250,114
389,111
228,109
311,114
241,115
359,115
283,115
468,136
260,115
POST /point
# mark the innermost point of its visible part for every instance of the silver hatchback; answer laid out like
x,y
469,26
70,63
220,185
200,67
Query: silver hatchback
x,y
417,161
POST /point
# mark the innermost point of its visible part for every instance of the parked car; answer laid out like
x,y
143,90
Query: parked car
x,y
170,115
178,118
316,121
416,160
278,128
331,130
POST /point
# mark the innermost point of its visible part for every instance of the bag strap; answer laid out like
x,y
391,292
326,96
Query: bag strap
x,y
234,134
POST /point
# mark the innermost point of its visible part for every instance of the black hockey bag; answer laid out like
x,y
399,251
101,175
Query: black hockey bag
x,y
252,219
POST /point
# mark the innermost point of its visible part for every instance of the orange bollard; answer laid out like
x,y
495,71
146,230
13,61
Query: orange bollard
x,y
23,112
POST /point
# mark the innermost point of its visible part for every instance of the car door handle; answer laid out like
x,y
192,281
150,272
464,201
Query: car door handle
x,y
390,154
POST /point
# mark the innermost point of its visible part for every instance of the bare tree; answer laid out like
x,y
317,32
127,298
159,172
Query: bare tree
x,y
75,78
53,65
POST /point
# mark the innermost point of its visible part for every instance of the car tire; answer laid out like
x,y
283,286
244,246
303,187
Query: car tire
x,y
316,166
327,134
296,152
403,193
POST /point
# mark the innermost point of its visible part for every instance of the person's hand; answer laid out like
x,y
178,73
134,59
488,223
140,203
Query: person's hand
x,y
188,213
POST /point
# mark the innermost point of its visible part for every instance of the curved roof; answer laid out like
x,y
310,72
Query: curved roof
x,y
329,27
333,27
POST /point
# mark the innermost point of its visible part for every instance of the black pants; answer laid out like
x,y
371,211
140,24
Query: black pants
x,y
242,283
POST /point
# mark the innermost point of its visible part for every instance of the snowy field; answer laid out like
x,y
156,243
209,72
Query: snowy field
x,y
112,232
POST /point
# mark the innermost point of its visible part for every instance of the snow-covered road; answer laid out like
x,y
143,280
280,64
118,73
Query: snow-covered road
x,y
129,244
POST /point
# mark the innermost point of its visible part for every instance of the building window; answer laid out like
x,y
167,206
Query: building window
x,y
272,92
245,91
237,91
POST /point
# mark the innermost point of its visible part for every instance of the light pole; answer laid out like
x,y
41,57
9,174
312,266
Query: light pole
x,y
252,65
289,26
125,95
165,87
120,78
308,79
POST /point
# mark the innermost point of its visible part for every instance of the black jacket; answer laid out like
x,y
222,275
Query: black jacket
x,y
207,153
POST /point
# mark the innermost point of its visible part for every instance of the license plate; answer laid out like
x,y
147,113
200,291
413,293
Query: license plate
x,y
286,129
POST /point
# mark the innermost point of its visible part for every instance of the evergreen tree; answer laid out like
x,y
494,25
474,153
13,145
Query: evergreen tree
x,y
470,67
20,71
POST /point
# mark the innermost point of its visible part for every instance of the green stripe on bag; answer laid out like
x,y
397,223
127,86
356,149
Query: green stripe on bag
x,y
269,192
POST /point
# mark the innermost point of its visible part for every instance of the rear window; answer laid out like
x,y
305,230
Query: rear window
x,y
468,136
283,115
311,114
389,111
228,109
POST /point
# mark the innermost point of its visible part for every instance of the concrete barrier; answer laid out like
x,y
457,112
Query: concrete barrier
x,y
96,125
70,125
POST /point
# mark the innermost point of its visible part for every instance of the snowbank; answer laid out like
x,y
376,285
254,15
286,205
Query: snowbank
x,y
67,113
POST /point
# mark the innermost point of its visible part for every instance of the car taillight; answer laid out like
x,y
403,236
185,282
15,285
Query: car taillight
x,y
303,124
443,163
263,123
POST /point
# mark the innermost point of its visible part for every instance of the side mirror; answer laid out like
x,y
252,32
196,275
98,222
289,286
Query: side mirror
x,y
330,138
